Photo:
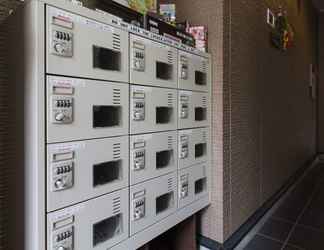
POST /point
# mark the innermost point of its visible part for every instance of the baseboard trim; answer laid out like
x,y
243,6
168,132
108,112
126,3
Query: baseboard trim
x,y
237,237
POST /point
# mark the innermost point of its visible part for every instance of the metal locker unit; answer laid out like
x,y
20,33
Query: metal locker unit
x,y
84,170
80,109
152,155
96,224
194,109
152,201
194,146
152,63
193,184
152,109
81,47
194,72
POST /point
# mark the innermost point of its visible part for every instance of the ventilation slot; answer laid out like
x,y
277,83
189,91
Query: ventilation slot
x,y
164,158
107,172
116,205
200,150
106,116
170,141
170,57
164,202
204,66
116,96
116,41
107,229
170,99
116,151
200,185
164,71
163,115
170,184
204,136
204,101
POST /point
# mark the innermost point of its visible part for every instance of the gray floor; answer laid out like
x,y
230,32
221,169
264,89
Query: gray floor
x,y
298,223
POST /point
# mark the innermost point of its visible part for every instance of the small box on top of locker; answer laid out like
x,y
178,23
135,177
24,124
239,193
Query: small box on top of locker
x,y
80,109
81,47
83,170
152,201
194,146
152,155
97,224
194,109
152,109
193,184
153,63
194,72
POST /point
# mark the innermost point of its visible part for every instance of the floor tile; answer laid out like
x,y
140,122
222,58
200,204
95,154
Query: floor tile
x,y
276,229
262,243
314,214
290,247
307,239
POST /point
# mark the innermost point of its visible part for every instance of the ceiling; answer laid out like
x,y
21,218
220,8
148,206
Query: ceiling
x,y
319,4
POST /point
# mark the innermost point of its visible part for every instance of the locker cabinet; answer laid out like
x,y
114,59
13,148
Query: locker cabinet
x,y
96,224
152,63
81,47
85,109
152,109
194,146
152,155
193,184
152,201
194,109
194,72
83,170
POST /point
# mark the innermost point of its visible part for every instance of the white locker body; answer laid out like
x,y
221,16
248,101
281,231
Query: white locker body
x,y
152,201
194,109
97,224
84,109
194,72
152,63
194,146
152,155
152,109
84,170
193,184
81,47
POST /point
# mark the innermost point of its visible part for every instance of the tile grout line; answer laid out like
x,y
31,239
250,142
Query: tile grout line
x,y
299,218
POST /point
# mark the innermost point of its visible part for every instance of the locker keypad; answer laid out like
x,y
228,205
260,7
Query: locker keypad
x,y
184,68
184,186
139,160
139,57
63,239
62,43
62,109
184,106
62,175
184,147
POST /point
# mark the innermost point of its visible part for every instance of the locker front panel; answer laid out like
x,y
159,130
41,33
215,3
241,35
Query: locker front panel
x,y
97,224
152,63
85,109
152,155
152,201
194,146
84,170
194,72
192,184
194,109
81,47
152,109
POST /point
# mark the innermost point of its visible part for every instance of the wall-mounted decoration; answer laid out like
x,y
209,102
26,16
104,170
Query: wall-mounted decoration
x,y
282,35
143,6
